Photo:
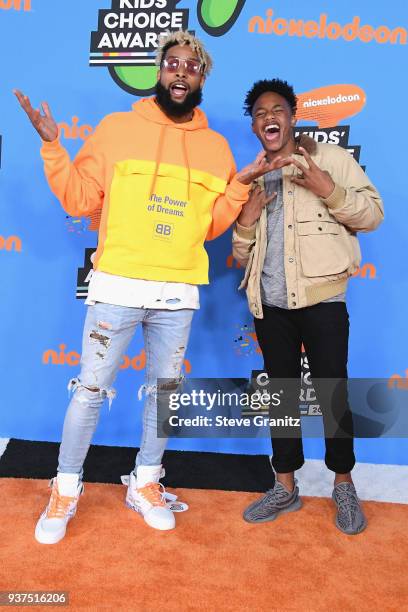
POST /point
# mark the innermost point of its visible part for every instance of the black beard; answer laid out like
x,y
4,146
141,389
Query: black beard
x,y
177,109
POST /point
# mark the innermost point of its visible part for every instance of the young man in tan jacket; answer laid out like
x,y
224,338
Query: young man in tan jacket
x,y
297,238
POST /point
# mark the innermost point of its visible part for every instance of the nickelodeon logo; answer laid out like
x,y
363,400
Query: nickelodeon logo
x,y
398,382
74,130
12,243
329,105
72,358
367,270
325,29
15,5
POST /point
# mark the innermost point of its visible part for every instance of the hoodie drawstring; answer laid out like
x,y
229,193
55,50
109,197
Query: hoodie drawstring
x,y
187,164
158,159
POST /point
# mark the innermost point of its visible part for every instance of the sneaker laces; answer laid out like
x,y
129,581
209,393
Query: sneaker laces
x,y
59,505
278,494
347,501
153,492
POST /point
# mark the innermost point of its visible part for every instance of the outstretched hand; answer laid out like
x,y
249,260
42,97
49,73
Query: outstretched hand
x,y
44,123
261,166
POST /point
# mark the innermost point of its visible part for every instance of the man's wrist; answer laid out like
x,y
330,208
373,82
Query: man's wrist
x,y
245,222
248,233
327,193
51,142
336,198
243,181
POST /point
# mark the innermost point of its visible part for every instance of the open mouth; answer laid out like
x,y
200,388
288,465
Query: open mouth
x,y
271,132
179,89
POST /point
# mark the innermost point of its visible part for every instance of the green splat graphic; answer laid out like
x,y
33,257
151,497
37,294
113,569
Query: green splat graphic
x,y
216,14
138,80
216,17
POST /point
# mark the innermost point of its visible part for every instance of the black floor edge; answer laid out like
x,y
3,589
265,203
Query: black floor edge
x,y
105,464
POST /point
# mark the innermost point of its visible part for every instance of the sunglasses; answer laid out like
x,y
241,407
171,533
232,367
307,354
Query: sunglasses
x,y
192,67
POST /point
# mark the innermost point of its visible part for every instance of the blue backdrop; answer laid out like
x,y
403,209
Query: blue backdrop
x,y
45,51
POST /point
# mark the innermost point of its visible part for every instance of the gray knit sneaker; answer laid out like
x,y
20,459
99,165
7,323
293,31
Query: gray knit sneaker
x,y
276,501
350,518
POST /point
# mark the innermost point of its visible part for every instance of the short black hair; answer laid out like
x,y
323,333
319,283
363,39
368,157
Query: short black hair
x,y
274,86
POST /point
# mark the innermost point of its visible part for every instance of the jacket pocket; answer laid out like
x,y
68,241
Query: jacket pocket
x,y
324,244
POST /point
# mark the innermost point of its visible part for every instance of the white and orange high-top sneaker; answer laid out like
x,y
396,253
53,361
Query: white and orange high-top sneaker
x,y
52,524
145,495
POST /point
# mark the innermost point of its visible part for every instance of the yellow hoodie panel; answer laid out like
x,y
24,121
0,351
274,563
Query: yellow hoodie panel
x,y
160,189
165,228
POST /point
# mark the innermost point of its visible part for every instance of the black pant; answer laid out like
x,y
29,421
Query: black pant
x,y
324,330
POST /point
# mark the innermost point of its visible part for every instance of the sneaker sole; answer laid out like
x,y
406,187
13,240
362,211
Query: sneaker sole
x,y
44,537
139,512
351,532
297,505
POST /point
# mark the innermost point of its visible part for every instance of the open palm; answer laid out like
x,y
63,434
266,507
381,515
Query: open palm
x,y
44,123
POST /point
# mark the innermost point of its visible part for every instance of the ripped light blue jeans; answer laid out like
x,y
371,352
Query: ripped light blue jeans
x,y
107,332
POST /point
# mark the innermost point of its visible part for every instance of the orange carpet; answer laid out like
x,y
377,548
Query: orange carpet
x,y
212,561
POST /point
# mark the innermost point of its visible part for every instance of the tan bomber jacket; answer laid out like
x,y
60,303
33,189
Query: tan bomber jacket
x,y
321,248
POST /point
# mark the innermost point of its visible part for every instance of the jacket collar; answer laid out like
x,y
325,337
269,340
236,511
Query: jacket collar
x,y
309,144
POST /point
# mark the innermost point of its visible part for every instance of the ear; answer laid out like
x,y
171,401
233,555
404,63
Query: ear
x,y
253,126
159,74
293,121
202,81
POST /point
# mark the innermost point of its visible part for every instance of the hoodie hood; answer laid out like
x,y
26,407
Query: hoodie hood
x,y
148,109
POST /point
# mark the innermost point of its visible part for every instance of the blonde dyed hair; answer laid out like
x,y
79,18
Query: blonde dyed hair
x,y
183,37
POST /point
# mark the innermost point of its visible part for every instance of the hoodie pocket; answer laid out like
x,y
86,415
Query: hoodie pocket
x,y
158,217
323,242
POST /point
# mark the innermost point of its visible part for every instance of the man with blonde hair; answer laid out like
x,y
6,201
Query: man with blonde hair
x,y
164,183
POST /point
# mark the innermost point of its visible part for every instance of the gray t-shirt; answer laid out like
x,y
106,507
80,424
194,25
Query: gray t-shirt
x,y
273,280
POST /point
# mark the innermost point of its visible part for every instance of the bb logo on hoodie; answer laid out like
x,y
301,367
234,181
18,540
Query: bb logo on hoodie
x,y
127,36
163,231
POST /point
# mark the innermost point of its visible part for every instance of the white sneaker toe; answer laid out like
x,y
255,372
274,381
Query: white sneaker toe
x,y
160,518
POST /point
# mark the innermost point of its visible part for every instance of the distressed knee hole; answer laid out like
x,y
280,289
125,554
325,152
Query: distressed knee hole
x,y
96,336
177,360
81,391
171,385
152,390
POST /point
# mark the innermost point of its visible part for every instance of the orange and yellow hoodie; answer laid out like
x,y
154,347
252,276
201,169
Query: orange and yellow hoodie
x,y
163,189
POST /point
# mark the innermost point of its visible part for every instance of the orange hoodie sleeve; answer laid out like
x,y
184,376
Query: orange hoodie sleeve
x,y
228,205
78,185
